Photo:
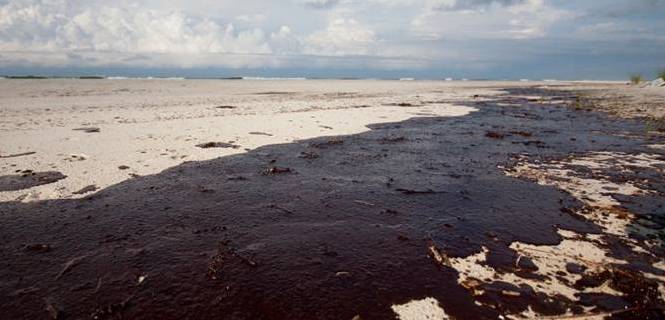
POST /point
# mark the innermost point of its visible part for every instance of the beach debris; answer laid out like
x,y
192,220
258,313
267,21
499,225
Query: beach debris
x,y
76,157
439,256
392,140
87,189
522,133
537,143
110,310
412,191
326,127
28,179
88,129
23,291
53,311
225,107
224,254
141,278
215,266
69,266
275,171
365,203
38,247
258,133
308,155
208,145
330,142
274,206
400,104
342,274
123,167
204,189
275,93
246,260
17,155
495,135
390,211
510,293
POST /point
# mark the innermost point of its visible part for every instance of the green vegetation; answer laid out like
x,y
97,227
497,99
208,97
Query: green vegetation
x,y
661,74
582,103
655,124
636,79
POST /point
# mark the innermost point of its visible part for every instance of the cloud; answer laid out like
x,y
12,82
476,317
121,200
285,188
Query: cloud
x,y
46,26
452,5
321,4
39,26
354,34
343,36
507,19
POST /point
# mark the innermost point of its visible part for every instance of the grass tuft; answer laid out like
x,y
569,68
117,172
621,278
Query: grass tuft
x,y
636,79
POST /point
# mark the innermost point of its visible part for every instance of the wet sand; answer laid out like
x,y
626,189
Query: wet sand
x,y
326,200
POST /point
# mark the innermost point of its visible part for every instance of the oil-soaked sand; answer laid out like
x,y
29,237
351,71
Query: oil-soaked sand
x,y
330,228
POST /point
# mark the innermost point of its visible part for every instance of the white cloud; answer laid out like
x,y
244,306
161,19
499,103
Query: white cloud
x,y
382,34
285,42
490,19
343,36
45,26
39,26
321,4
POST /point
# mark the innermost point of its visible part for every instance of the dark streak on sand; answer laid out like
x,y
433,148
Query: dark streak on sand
x,y
17,155
275,93
88,129
87,189
28,179
256,133
273,246
209,145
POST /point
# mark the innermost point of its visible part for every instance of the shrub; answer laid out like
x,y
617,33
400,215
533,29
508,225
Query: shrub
x,y
636,79
661,74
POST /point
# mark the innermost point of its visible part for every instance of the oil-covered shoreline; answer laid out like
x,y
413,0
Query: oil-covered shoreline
x,y
524,208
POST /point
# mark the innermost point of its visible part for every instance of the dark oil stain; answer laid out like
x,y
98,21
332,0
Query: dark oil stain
x,y
88,129
268,245
87,189
18,155
28,179
209,145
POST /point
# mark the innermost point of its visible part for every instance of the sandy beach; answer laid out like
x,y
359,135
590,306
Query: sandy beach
x,y
331,199
152,125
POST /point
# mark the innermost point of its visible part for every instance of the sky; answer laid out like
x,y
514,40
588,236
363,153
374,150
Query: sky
x,y
488,39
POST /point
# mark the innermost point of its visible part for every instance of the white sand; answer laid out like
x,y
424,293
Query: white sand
x,y
425,309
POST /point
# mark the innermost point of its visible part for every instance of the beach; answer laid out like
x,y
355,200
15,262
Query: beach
x,y
151,125
331,199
